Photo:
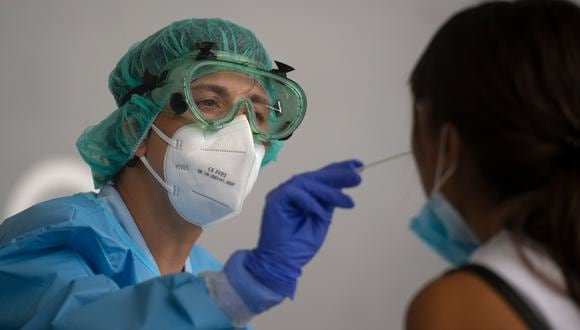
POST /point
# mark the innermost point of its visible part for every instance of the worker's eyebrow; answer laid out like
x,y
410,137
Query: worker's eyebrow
x,y
257,98
220,90
223,92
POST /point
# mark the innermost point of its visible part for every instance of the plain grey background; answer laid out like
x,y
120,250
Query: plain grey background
x,y
352,58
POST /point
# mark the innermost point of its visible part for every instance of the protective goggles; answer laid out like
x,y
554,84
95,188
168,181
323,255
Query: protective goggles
x,y
217,86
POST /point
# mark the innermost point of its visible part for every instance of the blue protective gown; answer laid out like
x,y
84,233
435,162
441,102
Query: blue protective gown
x,y
68,264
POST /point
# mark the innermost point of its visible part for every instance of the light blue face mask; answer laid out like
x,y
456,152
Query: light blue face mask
x,y
439,224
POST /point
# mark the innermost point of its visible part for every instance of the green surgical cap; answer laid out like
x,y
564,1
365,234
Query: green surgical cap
x,y
109,145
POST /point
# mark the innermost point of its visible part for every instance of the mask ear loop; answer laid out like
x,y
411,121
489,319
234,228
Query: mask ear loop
x,y
167,139
440,177
145,162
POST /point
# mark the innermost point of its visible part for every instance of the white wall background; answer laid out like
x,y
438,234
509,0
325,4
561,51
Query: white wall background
x,y
353,59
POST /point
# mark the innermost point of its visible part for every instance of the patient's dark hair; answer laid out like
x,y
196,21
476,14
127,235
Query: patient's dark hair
x,y
507,76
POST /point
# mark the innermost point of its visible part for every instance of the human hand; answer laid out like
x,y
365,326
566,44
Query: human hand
x,y
295,222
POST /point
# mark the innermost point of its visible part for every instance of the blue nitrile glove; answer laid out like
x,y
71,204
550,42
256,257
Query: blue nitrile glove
x,y
295,222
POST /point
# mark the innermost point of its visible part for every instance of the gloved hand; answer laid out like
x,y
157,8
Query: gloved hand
x,y
295,222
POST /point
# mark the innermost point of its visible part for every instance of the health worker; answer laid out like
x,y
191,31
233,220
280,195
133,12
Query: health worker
x,y
201,109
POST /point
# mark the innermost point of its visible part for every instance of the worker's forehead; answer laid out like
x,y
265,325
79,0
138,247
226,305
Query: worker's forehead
x,y
232,81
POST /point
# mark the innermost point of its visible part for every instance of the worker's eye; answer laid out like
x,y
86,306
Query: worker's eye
x,y
206,104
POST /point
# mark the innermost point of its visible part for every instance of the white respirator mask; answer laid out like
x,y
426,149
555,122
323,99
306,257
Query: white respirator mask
x,y
208,174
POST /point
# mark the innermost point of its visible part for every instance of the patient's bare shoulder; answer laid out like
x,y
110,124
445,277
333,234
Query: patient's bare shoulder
x,y
460,300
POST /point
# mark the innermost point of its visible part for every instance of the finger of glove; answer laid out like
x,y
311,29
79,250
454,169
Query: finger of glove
x,y
305,202
327,194
336,177
351,164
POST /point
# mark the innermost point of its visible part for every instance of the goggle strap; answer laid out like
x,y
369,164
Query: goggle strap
x,y
150,82
205,52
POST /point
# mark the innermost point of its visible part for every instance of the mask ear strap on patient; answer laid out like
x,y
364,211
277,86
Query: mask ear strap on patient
x,y
440,177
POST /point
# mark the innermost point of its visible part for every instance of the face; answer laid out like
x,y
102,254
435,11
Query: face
x,y
213,94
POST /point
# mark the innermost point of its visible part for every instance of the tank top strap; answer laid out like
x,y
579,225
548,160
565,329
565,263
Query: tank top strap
x,y
527,312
